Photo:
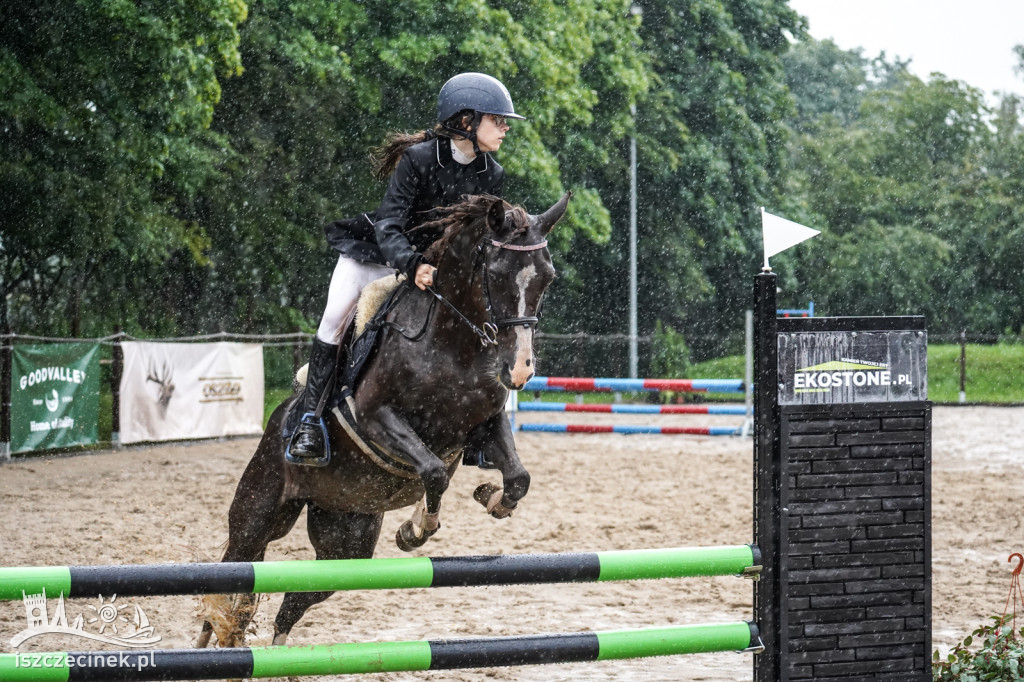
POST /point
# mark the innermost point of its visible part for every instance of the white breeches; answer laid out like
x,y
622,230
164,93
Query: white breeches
x,y
349,278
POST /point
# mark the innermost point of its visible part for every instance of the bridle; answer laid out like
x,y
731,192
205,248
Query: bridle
x,y
488,333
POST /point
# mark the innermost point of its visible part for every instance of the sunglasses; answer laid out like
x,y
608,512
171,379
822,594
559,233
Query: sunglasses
x,y
499,121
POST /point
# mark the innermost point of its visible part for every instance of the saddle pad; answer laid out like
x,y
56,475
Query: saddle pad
x,y
373,296
362,346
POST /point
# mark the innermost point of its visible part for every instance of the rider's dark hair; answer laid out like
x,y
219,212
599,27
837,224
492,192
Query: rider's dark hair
x,y
384,159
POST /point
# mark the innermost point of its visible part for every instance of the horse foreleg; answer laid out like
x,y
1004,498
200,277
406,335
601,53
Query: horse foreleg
x,y
494,438
335,535
394,434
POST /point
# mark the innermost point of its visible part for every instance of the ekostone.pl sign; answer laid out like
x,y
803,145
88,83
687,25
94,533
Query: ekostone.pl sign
x,y
830,367
55,395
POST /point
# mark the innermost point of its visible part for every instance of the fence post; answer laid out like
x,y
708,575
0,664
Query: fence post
x,y
963,365
6,352
767,479
116,372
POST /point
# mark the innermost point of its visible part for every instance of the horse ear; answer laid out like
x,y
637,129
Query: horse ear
x,y
496,216
547,219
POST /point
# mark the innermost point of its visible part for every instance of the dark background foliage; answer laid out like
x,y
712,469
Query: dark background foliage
x,y
169,169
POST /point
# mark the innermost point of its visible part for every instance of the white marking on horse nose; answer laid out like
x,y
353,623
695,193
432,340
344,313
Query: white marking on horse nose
x,y
523,280
523,368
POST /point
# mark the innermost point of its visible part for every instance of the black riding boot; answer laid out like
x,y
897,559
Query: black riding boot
x,y
309,445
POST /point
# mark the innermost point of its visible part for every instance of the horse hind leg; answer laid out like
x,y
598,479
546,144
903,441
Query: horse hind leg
x,y
334,535
256,518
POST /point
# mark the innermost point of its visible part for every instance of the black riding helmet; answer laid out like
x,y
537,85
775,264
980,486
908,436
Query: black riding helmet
x,y
476,92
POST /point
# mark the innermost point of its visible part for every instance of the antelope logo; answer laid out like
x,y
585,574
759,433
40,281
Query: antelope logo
x,y
163,380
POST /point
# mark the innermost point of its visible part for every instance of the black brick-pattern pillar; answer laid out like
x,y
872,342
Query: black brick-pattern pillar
x,y
856,541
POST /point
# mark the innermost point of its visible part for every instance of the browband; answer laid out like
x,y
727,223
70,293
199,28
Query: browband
x,y
514,247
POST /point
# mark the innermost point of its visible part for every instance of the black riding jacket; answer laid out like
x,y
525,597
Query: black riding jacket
x,y
426,177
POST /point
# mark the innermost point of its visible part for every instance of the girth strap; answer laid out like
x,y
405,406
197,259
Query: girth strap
x,y
386,460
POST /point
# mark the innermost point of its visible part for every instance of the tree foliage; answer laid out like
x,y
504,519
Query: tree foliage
x,y
709,134
169,167
917,194
104,114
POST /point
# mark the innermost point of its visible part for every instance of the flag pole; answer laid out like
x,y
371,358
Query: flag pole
x,y
764,247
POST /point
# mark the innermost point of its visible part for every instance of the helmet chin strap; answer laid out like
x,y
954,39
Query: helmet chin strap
x,y
471,133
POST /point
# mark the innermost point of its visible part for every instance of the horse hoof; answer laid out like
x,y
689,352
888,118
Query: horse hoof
x,y
490,496
407,540
484,492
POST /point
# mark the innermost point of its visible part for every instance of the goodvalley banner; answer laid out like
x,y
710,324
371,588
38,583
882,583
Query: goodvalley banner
x,y
55,395
177,391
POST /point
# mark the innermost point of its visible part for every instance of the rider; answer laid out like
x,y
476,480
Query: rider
x,y
428,169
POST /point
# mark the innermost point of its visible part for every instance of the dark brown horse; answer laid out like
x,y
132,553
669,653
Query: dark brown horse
x,y
436,384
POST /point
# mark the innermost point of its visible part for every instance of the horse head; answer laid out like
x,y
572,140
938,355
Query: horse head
x,y
505,249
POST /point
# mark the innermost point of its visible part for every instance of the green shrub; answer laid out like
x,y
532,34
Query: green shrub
x,y
670,356
1001,656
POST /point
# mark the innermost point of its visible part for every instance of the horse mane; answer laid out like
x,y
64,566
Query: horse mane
x,y
469,212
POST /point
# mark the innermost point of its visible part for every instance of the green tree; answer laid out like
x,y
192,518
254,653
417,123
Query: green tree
x,y
825,80
104,111
915,197
710,137
200,217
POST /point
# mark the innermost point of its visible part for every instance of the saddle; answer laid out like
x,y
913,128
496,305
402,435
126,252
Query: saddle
x,y
375,302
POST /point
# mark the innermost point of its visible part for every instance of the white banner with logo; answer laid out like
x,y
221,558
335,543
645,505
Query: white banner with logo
x,y
178,391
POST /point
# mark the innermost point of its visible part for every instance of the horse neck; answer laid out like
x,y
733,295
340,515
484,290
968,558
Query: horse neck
x,y
466,296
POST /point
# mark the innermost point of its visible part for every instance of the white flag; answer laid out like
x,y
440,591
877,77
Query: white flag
x,y
780,234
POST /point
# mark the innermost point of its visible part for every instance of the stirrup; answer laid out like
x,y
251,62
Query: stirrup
x,y
476,458
311,420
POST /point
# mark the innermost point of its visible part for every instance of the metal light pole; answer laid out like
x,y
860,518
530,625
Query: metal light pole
x,y
637,11
633,356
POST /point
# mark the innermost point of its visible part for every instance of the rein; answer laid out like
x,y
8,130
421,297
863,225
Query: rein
x,y
489,333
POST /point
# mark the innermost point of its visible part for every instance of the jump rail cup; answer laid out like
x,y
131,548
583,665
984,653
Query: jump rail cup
x,y
378,574
375,657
